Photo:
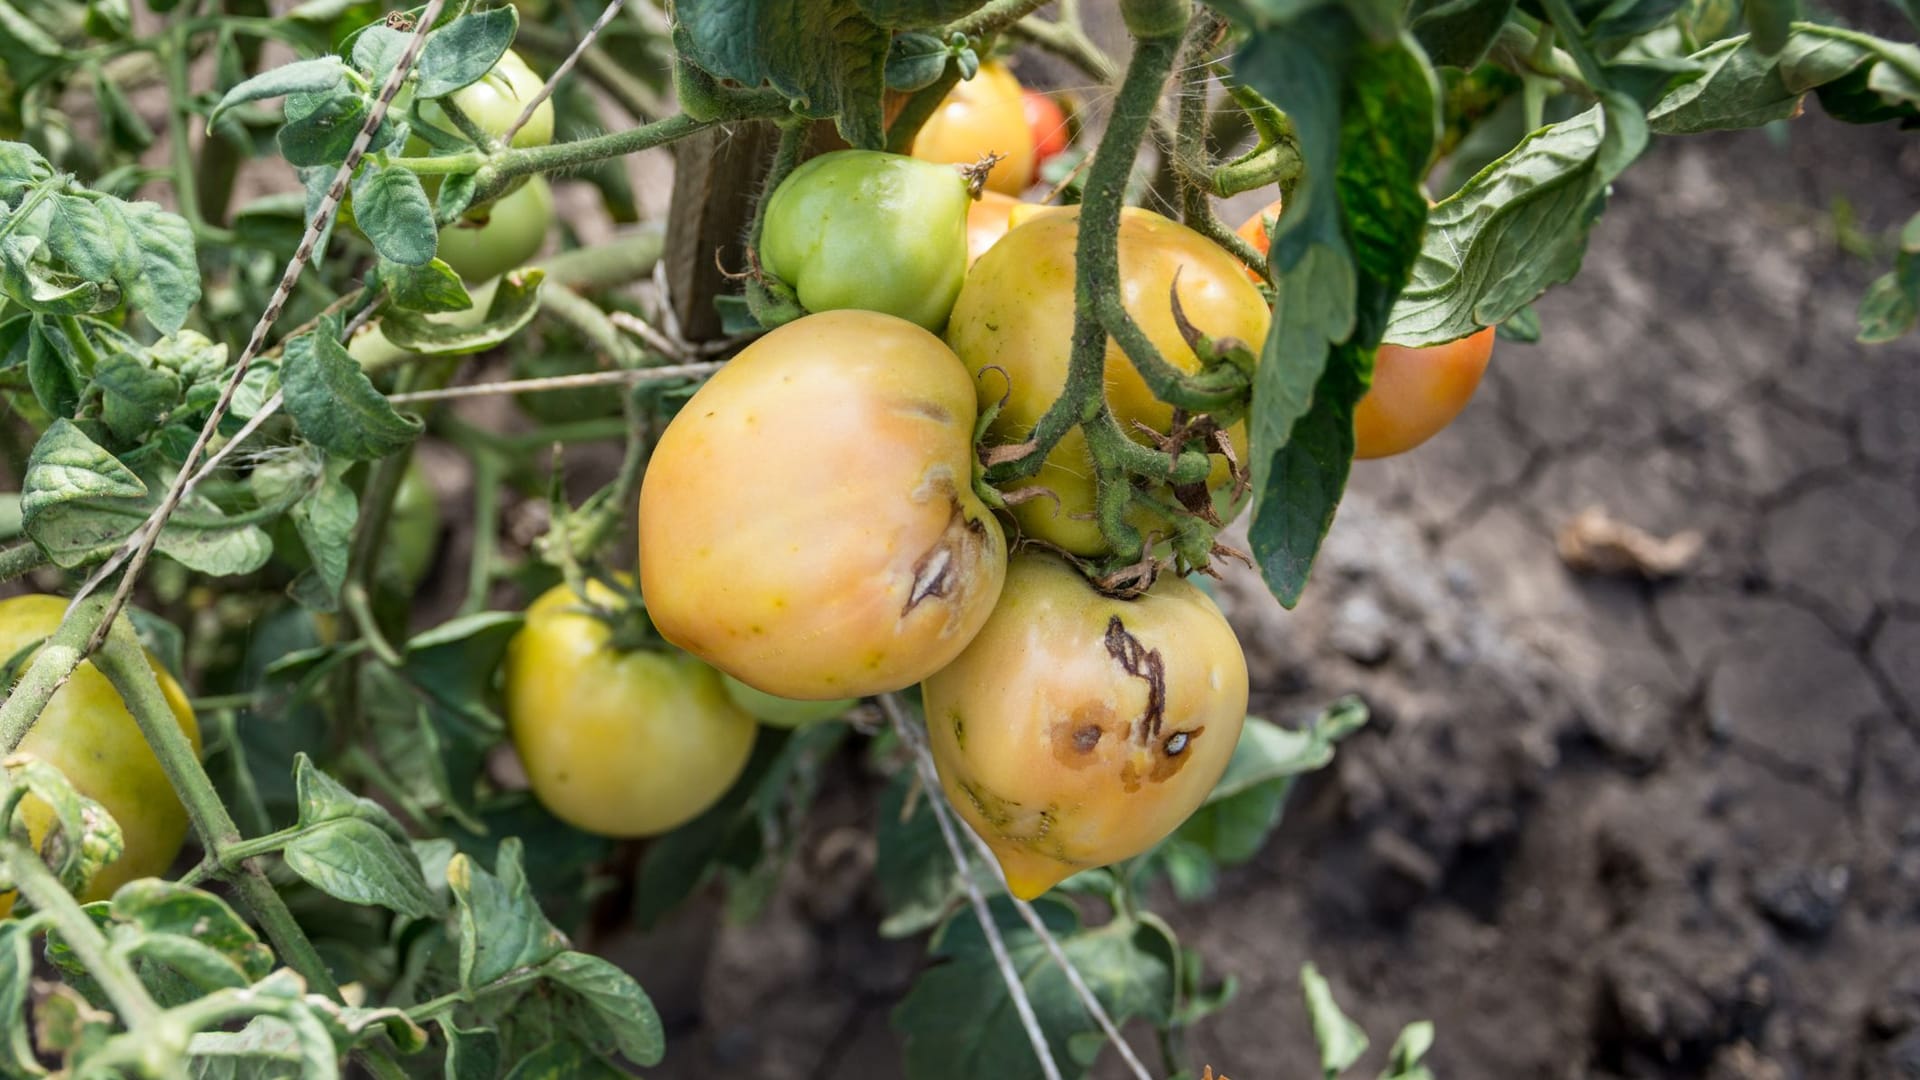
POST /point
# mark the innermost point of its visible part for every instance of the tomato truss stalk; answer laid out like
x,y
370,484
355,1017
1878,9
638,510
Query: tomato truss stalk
x,y
1099,312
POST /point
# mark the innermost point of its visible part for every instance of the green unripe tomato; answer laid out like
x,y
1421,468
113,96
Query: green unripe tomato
x,y
775,711
861,229
495,101
413,529
514,231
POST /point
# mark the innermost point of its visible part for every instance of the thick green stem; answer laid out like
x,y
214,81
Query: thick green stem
x,y
1560,12
21,558
76,336
994,16
1189,159
919,109
34,881
176,55
509,165
1097,306
625,258
125,664
51,667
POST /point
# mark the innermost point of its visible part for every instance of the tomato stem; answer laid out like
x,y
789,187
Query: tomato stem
x,y
78,932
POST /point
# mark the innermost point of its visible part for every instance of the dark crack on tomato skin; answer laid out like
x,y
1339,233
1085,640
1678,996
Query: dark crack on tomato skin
x,y
1142,663
940,571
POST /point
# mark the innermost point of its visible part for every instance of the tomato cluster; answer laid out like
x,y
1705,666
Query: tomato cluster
x,y
812,526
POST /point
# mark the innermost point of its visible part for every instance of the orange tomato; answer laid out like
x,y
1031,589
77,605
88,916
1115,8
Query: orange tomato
x,y
982,116
1048,123
1416,392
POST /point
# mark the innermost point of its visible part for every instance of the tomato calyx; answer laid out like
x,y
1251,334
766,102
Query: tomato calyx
x,y
628,627
976,174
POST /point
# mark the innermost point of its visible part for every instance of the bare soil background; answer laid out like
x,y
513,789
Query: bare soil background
x,y
1598,827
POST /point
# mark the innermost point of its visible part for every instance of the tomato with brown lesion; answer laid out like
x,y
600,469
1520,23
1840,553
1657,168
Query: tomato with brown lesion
x,y
1079,729
808,522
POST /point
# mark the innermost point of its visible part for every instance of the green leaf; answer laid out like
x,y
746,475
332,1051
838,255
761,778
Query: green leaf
x,y
80,502
1341,1040
133,396
501,925
1403,1061
55,386
564,1060
959,1018
16,974
472,1054
82,837
125,125
352,860
154,260
324,76
461,52
333,401
428,289
1243,808
515,302
1368,120
1891,307
915,61
39,287
325,521
166,907
828,56
27,53
919,885
608,1008
377,50
205,968
392,209
1457,32
166,287
321,128
66,467
1517,228
293,1044
455,663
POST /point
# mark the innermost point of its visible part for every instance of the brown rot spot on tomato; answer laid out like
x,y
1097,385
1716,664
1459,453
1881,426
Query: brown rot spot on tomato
x,y
1076,737
1142,663
1173,755
959,730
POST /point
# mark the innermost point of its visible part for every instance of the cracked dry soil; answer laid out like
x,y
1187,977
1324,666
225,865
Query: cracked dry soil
x,y
1598,827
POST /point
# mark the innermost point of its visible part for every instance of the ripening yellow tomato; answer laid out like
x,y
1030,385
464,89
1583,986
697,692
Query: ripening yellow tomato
x,y
1416,392
1015,314
808,523
982,115
631,743
87,733
1079,729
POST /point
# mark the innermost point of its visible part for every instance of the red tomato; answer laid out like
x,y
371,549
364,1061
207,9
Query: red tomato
x,y
1048,122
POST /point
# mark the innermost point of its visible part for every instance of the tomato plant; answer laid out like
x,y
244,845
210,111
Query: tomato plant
x,y
854,229
847,437
428,768
983,115
1013,327
621,742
